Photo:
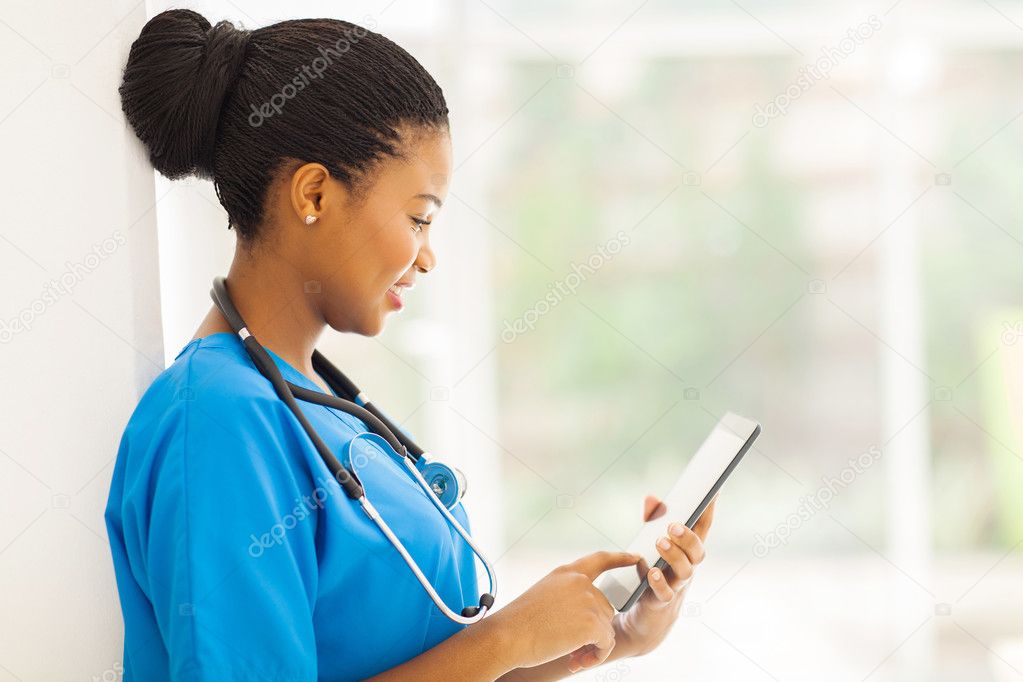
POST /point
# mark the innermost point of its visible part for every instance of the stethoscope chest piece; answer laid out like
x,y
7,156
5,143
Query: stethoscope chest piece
x,y
447,483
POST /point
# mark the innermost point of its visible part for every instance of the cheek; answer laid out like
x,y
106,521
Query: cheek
x,y
373,261
395,252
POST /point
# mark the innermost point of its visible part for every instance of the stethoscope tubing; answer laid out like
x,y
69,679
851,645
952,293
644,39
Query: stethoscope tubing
x,y
377,421
375,516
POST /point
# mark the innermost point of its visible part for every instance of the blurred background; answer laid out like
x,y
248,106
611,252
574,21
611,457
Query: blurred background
x,y
803,212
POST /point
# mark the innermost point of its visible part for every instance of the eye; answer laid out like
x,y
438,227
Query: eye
x,y
417,224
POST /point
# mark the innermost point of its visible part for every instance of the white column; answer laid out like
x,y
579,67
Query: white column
x,y
901,176
80,335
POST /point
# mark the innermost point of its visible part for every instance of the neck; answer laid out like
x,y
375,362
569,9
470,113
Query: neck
x,y
273,302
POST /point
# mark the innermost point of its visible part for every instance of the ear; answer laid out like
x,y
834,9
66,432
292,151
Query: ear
x,y
308,190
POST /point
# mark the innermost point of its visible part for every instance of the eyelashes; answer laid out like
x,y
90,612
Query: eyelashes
x,y
417,224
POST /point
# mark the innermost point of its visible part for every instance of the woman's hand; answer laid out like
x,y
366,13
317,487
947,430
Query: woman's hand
x,y
640,629
563,613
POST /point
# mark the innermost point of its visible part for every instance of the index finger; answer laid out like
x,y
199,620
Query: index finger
x,y
594,564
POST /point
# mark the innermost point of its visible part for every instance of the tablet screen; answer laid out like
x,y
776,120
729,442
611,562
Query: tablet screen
x,y
703,476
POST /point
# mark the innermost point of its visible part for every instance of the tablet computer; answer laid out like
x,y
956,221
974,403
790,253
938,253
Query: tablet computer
x,y
703,477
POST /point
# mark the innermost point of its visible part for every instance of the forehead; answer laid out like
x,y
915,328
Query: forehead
x,y
425,168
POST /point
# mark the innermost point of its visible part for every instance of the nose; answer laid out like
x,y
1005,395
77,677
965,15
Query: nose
x,y
425,261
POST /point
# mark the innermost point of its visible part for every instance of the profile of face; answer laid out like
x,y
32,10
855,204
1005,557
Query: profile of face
x,y
364,253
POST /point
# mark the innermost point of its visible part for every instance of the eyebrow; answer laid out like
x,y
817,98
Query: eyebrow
x,y
430,197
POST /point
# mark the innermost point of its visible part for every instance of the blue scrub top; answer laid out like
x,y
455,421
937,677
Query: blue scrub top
x,y
238,556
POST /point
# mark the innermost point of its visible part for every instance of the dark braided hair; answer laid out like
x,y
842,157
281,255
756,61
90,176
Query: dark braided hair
x,y
236,106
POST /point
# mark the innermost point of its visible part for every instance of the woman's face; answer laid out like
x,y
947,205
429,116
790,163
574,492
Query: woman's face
x,y
364,256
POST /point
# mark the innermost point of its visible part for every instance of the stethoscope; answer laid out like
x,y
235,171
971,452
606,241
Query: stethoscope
x,y
442,484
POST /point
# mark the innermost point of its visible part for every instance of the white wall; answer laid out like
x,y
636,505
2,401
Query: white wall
x,y
78,199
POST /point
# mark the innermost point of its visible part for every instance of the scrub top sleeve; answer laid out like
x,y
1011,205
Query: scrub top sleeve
x,y
230,549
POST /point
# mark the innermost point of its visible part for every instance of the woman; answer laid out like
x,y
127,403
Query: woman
x,y
236,555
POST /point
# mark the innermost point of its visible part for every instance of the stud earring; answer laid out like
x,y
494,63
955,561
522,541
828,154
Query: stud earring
x,y
310,219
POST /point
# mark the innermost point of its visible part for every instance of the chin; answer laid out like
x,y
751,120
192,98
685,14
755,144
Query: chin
x,y
372,327
360,327
374,330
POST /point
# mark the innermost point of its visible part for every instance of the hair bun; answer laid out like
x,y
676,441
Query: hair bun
x,y
179,72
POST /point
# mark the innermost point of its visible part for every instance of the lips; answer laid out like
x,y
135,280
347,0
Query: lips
x,y
395,291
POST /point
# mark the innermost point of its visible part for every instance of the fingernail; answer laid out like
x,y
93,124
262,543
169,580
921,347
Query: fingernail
x,y
677,529
664,543
574,667
655,574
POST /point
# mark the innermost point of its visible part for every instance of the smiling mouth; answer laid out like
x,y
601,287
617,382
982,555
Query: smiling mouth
x,y
394,294
396,290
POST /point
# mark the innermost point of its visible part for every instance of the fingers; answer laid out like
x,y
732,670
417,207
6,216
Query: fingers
x,y
592,565
659,586
579,659
600,655
606,641
653,508
597,611
680,565
687,541
589,656
642,568
702,526
682,549
597,651
585,657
